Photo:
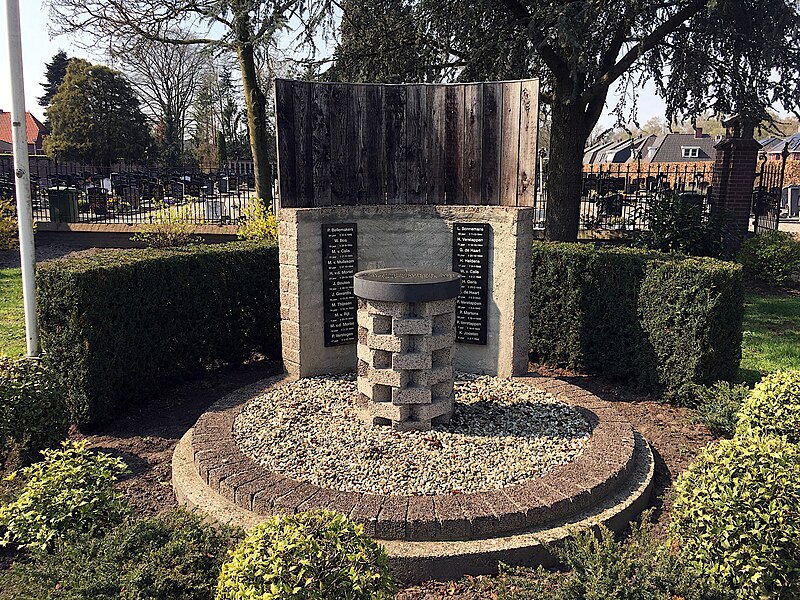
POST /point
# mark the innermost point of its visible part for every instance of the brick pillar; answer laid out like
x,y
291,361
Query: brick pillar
x,y
734,176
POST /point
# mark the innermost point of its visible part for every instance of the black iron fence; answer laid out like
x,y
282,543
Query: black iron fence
x,y
767,194
133,193
616,197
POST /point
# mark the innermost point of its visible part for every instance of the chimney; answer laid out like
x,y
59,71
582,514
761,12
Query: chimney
x,y
698,132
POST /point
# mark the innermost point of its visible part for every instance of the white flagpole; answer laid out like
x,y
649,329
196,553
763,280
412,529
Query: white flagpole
x,y
21,169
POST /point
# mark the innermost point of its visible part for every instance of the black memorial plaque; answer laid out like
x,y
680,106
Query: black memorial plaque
x,y
471,260
339,264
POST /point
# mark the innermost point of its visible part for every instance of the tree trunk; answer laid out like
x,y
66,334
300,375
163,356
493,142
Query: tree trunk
x,y
568,134
256,110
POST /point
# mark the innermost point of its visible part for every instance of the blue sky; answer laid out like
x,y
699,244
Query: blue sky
x,y
38,48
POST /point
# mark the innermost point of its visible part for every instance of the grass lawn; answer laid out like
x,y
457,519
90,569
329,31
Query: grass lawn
x,y
12,321
771,335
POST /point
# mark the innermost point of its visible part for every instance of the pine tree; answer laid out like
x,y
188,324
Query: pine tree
x,y
54,73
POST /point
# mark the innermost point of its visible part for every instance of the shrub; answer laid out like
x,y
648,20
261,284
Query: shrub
x,y
120,325
169,226
258,222
316,555
70,492
9,232
717,405
175,555
602,568
33,415
652,319
774,407
772,256
735,516
677,223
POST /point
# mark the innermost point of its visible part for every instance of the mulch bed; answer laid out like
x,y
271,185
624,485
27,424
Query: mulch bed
x,y
146,436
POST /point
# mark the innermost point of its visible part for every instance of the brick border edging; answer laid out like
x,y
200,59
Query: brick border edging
x,y
603,466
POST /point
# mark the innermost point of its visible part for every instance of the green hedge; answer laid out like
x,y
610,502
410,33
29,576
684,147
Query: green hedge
x,y
119,326
656,320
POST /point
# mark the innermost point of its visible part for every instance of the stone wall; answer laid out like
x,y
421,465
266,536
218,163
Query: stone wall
x,y
405,236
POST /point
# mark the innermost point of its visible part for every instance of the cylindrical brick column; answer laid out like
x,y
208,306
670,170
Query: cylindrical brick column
x,y
406,321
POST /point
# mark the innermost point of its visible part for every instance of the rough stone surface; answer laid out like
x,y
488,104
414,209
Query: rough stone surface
x,y
407,236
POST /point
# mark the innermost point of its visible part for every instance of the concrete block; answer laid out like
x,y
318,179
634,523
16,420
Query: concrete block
x,y
437,342
411,425
375,391
439,307
411,395
391,343
443,323
379,324
411,326
411,360
392,309
426,412
393,412
396,379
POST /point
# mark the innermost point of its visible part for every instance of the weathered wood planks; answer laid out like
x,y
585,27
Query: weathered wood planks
x,y
465,143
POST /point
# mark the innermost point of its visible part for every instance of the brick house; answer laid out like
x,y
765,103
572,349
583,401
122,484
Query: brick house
x,y
36,133
697,147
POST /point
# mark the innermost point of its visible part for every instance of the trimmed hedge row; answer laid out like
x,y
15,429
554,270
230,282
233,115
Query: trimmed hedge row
x,y
117,326
656,320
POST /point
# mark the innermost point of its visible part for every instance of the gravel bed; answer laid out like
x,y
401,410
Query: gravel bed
x,y
502,432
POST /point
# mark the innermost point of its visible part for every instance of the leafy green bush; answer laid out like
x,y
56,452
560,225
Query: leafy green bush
x,y
258,222
774,407
659,321
735,516
175,555
772,256
717,406
169,226
316,555
118,326
33,415
601,568
677,223
70,492
9,232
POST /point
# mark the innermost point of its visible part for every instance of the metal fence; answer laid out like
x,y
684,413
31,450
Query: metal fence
x,y
132,193
767,195
616,197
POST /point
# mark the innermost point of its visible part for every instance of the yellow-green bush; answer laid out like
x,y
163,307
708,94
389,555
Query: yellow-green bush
x,y
736,516
258,222
169,226
773,407
9,236
309,556
71,492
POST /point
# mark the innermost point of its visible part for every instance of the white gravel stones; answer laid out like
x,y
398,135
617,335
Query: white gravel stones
x,y
502,432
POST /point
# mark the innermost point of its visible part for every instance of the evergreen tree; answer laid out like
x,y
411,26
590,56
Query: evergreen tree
x,y
54,73
96,117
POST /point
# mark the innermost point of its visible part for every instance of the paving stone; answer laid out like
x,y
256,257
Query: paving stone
x,y
290,502
366,512
391,523
263,501
452,516
421,523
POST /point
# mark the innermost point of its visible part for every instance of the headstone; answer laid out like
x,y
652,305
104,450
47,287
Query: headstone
x,y
176,190
471,260
339,264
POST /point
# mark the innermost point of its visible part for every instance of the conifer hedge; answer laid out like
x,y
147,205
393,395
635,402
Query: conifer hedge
x,y
656,320
118,326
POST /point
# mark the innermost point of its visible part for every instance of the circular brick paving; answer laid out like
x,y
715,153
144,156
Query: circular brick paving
x,y
603,466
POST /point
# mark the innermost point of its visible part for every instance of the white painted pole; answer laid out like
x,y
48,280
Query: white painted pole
x,y
23,179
